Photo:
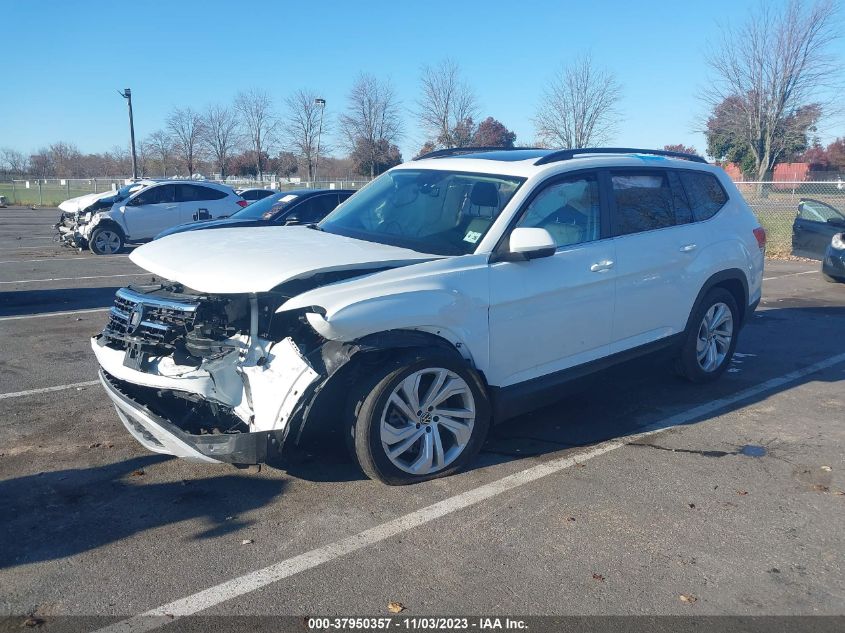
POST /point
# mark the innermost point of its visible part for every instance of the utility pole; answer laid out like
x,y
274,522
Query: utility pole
x,y
127,94
322,104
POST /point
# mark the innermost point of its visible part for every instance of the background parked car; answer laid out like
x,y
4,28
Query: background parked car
x,y
251,195
153,209
304,206
833,264
814,227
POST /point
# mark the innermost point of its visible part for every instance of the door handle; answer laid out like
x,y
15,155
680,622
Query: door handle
x,y
688,248
605,264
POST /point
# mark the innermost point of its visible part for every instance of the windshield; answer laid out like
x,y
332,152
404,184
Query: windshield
x,y
265,208
427,210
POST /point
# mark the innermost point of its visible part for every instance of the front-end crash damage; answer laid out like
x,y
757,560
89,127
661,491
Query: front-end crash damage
x,y
217,378
74,227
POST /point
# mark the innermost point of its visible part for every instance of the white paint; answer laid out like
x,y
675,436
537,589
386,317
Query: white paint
x,y
806,272
247,583
32,392
35,281
61,259
20,317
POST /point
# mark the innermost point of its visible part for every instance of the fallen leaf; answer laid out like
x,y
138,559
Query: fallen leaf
x,y
95,445
247,541
820,488
395,607
691,505
826,468
742,493
598,577
688,598
138,473
571,519
32,621
579,465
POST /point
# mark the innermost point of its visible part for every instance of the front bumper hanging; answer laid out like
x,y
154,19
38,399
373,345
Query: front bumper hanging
x,y
162,436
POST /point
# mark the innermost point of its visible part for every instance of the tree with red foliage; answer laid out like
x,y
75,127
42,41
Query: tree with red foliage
x,y
492,133
683,149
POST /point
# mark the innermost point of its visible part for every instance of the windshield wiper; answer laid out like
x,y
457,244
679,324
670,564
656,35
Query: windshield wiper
x,y
311,225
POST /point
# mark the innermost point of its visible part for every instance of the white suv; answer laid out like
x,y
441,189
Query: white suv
x,y
149,211
454,291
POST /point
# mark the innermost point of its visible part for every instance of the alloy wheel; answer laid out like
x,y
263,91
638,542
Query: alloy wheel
x,y
427,421
107,242
715,334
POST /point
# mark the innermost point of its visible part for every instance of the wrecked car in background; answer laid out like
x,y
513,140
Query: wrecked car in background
x,y
108,225
78,211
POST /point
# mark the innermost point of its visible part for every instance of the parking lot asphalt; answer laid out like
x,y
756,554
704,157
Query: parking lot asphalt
x,y
636,495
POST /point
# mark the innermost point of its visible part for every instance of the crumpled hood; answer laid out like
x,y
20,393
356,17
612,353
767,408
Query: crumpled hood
x,y
75,205
235,260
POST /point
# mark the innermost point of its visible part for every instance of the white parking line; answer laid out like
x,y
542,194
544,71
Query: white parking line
x,y
806,272
62,259
35,281
32,392
41,315
255,580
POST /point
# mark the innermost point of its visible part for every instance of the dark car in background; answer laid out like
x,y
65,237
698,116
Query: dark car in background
x,y
303,206
833,264
814,227
251,195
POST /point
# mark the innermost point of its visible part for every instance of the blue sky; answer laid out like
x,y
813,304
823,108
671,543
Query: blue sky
x,y
66,60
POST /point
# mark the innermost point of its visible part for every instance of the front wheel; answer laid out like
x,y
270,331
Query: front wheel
x,y
105,241
710,338
421,418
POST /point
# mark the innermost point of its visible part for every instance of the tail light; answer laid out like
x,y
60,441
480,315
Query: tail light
x,y
244,203
760,234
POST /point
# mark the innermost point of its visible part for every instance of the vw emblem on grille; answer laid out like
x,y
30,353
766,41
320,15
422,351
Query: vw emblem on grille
x,y
135,318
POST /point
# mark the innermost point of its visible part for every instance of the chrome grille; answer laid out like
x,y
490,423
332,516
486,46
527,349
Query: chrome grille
x,y
149,319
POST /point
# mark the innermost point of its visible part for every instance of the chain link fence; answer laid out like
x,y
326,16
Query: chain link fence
x,y
776,206
50,192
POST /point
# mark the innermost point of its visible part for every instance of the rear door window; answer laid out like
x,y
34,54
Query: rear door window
x,y
704,192
644,201
192,193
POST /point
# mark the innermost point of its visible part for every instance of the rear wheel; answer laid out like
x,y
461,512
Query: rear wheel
x,y
105,241
419,419
711,337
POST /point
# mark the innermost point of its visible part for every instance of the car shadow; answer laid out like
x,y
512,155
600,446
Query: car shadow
x,y
53,515
645,394
31,302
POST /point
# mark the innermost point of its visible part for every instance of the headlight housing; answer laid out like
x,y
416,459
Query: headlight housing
x,y
838,241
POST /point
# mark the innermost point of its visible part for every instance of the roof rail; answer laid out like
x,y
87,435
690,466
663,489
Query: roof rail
x,y
457,151
568,154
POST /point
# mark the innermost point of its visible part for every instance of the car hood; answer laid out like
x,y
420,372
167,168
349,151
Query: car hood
x,y
75,205
211,224
236,260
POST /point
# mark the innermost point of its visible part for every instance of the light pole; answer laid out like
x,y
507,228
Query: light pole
x,y
127,94
322,105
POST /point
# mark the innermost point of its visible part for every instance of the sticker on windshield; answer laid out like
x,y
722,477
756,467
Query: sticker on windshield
x,y
288,198
472,237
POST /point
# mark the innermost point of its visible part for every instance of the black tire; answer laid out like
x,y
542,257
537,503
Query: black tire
x,y
832,280
370,397
103,239
687,364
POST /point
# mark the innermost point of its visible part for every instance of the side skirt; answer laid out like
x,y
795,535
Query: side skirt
x,y
513,400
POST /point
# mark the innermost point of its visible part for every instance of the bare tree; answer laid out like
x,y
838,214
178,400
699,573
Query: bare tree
x,y
14,162
159,147
220,134
186,129
372,119
578,106
447,105
770,72
303,127
259,120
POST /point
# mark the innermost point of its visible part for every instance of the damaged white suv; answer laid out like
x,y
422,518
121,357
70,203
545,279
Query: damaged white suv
x,y
454,291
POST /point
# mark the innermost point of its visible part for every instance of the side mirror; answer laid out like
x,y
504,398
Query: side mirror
x,y
530,243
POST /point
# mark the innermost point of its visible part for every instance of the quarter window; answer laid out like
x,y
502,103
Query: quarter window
x,y
569,210
705,194
644,202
